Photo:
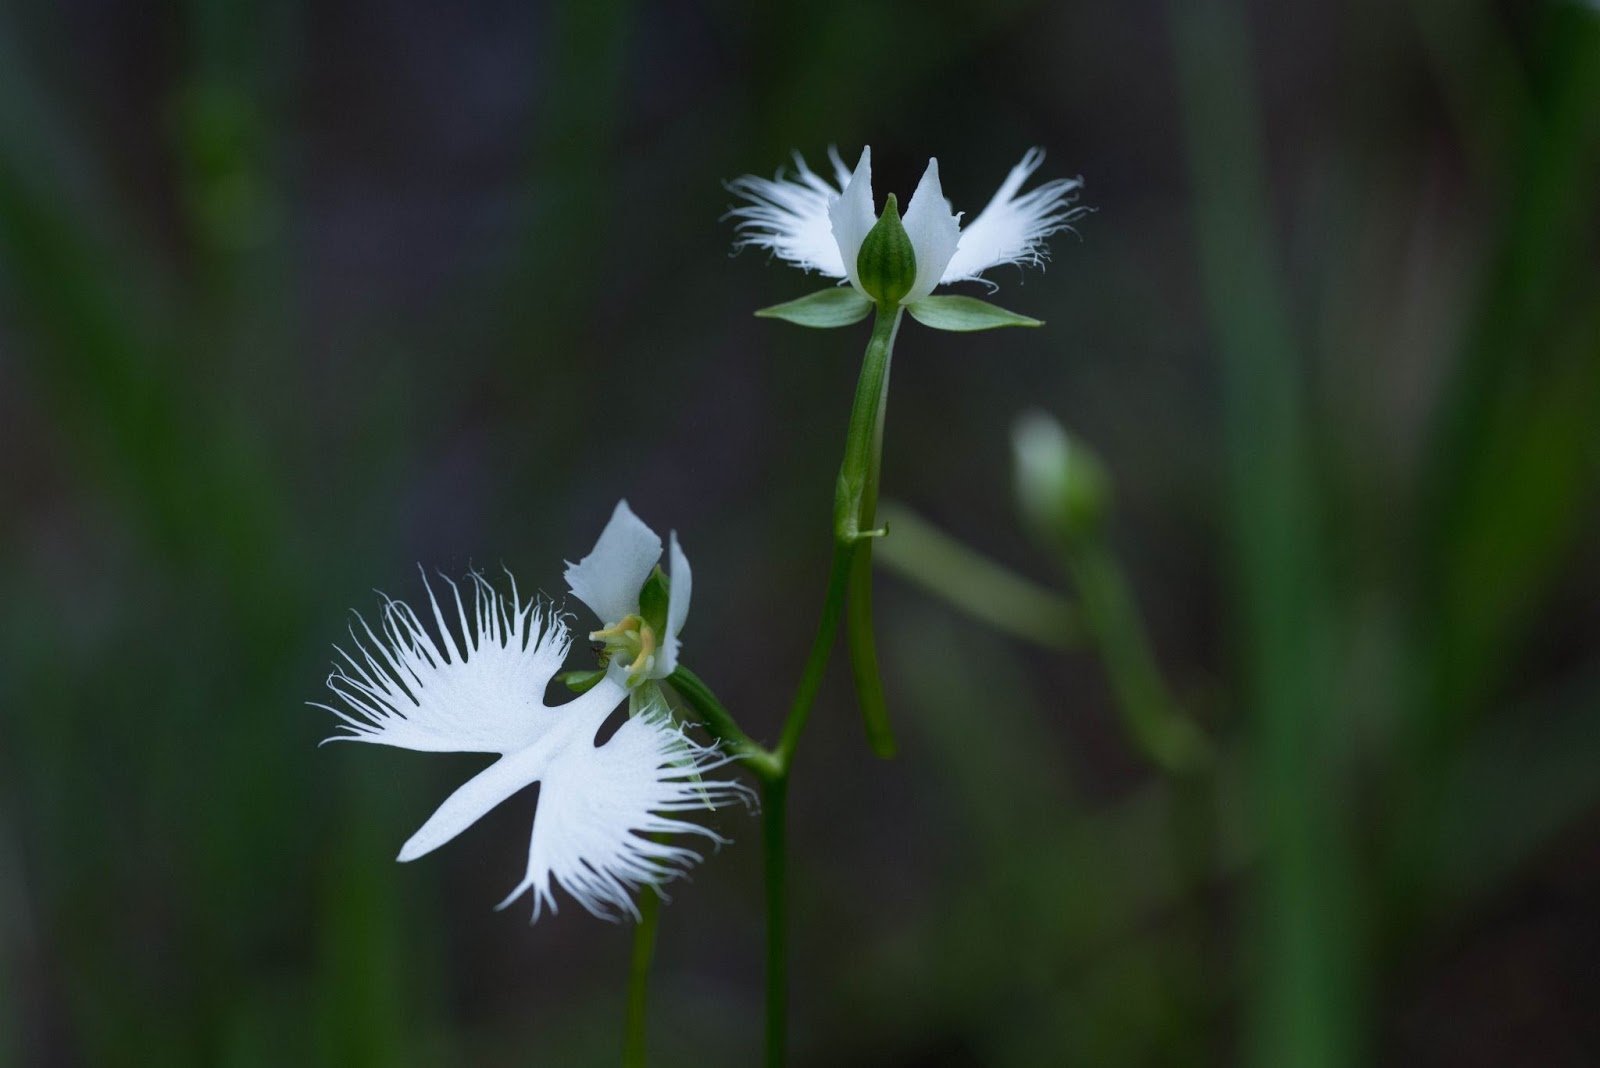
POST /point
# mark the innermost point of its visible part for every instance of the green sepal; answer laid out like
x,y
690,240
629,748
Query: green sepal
x,y
839,306
965,314
653,599
886,265
581,681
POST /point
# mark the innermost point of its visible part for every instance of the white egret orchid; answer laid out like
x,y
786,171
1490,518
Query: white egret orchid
x,y
829,227
601,809
643,609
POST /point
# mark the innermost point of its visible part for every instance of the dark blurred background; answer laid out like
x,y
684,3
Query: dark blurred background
x,y
294,297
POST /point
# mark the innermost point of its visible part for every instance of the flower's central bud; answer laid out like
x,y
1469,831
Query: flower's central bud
x,y
633,640
887,264
1061,485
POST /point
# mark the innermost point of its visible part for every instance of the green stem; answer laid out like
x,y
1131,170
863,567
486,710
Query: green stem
x,y
817,660
857,496
855,504
864,653
1152,718
720,722
774,851
644,949
855,510
971,582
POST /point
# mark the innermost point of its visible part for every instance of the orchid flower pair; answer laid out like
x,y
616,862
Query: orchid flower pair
x,y
478,686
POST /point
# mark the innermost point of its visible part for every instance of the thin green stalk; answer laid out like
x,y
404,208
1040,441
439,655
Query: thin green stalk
x,y
1151,716
720,722
864,653
1159,727
855,504
854,516
817,661
966,579
774,840
857,496
644,951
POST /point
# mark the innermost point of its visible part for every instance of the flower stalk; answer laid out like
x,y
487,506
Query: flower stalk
x,y
634,1048
775,858
1152,718
1064,494
975,584
855,523
722,726
849,578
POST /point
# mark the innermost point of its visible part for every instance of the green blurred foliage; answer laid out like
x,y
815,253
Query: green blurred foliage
x,y
293,298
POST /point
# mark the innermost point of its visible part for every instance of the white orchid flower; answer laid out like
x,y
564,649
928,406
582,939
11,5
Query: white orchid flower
x,y
643,609
481,689
824,226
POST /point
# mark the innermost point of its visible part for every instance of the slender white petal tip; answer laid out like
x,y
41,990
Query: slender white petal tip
x,y
1012,228
608,580
681,585
934,230
851,216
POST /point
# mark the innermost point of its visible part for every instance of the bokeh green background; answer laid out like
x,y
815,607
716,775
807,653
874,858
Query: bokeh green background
x,y
294,297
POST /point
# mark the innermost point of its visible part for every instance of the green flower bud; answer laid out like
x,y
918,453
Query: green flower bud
x,y
1062,488
887,264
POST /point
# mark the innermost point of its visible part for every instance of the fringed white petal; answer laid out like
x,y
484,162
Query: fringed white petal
x,y
790,216
608,580
581,716
852,215
602,809
680,585
479,691
934,231
1012,228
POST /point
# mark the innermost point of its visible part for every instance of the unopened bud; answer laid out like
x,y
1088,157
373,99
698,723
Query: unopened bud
x,y
887,264
1061,485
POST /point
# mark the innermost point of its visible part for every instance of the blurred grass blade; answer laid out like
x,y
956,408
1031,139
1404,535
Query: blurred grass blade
x,y
1517,787
1516,423
1304,945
